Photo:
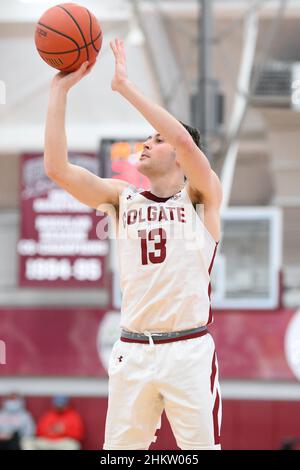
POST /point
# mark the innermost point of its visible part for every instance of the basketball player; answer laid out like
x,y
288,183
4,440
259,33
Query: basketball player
x,y
165,358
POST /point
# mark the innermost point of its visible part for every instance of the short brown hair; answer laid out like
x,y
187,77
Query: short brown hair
x,y
194,133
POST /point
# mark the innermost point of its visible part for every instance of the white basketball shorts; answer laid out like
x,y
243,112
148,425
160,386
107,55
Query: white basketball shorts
x,y
180,377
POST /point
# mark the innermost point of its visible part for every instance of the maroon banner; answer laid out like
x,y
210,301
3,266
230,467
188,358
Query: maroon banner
x,y
254,344
78,342
66,342
58,245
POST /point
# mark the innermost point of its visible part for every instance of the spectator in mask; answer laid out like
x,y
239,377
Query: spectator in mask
x,y
16,423
60,428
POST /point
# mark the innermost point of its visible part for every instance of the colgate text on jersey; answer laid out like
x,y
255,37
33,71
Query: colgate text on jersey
x,y
153,214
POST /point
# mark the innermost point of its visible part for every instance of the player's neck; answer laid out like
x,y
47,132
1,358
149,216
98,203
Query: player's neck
x,y
163,187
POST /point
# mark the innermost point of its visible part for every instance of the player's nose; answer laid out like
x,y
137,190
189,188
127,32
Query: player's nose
x,y
146,145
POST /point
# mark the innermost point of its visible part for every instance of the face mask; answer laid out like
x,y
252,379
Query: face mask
x,y
13,405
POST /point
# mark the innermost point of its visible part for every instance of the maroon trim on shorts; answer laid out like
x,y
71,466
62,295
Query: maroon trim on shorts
x,y
170,340
216,407
151,196
215,419
213,372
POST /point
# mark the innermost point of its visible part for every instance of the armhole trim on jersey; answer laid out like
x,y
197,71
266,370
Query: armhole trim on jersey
x,y
205,228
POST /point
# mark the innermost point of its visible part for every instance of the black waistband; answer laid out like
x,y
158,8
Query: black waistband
x,y
166,337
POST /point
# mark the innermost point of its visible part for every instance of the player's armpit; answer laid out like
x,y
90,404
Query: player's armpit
x,y
211,203
212,198
89,188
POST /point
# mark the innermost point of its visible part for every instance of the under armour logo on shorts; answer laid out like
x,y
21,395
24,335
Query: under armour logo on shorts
x,y
120,358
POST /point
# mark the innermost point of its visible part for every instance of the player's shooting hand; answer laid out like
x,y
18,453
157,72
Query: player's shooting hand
x,y
120,76
65,81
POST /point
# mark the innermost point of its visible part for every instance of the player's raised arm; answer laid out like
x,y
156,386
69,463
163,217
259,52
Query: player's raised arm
x,y
192,160
79,182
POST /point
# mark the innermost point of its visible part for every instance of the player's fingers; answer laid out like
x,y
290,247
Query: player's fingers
x,y
113,47
78,73
119,46
82,70
89,69
60,75
74,77
115,51
123,48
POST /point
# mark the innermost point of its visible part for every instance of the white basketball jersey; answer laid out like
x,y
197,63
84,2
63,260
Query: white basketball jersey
x,y
165,259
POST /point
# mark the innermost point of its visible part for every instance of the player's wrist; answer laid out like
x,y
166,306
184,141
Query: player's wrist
x,y
58,91
120,85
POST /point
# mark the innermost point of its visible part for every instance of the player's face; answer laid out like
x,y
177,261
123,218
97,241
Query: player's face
x,y
157,157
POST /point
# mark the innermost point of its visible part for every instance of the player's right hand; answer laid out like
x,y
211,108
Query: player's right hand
x,y
65,81
117,46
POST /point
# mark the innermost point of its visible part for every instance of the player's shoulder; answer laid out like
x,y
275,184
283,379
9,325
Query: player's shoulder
x,y
120,185
130,190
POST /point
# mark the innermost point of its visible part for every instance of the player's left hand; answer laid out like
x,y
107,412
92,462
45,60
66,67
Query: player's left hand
x,y
120,76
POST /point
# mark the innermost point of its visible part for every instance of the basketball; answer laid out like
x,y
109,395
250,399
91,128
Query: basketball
x,y
67,35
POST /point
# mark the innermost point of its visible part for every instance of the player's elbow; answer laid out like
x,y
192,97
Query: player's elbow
x,y
53,172
50,172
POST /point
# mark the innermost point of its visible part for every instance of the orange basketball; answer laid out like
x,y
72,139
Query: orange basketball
x,y
67,35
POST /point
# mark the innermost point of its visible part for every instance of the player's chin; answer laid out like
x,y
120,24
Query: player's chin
x,y
142,166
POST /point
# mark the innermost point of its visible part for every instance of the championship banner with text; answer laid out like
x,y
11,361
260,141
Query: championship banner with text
x,y
59,245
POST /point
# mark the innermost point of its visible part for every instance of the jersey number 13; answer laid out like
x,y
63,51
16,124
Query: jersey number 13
x,y
159,236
